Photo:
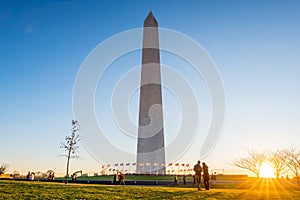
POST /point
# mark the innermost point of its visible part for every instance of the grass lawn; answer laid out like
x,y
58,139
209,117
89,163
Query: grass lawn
x,y
261,189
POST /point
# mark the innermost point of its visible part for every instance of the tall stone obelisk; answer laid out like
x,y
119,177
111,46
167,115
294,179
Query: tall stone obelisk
x,y
150,147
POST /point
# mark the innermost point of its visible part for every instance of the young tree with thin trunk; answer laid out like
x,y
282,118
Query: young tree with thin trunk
x,y
278,159
293,161
70,145
252,162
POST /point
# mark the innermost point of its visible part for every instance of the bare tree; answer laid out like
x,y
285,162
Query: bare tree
x,y
293,161
70,145
251,162
3,168
278,159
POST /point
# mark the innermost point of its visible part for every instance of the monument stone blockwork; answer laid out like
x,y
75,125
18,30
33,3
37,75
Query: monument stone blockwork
x,y
150,147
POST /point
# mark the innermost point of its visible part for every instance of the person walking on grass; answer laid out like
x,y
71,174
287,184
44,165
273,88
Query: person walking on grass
x,y
205,176
198,171
122,178
176,180
115,178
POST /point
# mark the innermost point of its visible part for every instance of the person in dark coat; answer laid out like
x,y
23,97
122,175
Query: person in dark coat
x,y
205,176
198,171
28,175
184,179
175,180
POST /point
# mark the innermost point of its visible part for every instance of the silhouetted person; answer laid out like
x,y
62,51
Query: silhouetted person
x,y
119,177
205,176
51,176
28,175
115,178
184,179
215,177
198,171
175,180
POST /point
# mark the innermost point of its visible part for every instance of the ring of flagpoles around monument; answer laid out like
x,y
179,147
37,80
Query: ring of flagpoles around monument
x,y
130,168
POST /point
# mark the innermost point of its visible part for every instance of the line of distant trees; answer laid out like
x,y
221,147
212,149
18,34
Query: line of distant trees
x,y
284,161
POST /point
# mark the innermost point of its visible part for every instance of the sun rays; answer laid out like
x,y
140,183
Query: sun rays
x,y
269,188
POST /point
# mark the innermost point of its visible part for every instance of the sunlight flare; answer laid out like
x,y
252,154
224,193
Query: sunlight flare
x,y
267,170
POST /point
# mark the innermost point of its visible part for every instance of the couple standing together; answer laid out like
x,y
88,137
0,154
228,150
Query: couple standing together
x,y
198,170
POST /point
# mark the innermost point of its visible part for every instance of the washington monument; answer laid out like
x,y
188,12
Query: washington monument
x,y
150,146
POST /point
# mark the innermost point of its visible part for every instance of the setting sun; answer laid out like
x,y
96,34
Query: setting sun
x,y
266,170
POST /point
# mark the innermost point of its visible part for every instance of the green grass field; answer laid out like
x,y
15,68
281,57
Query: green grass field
x,y
260,189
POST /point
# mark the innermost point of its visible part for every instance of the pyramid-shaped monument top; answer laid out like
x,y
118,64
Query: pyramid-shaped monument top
x,y
150,21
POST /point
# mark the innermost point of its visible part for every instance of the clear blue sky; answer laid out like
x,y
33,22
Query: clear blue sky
x,y
255,44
